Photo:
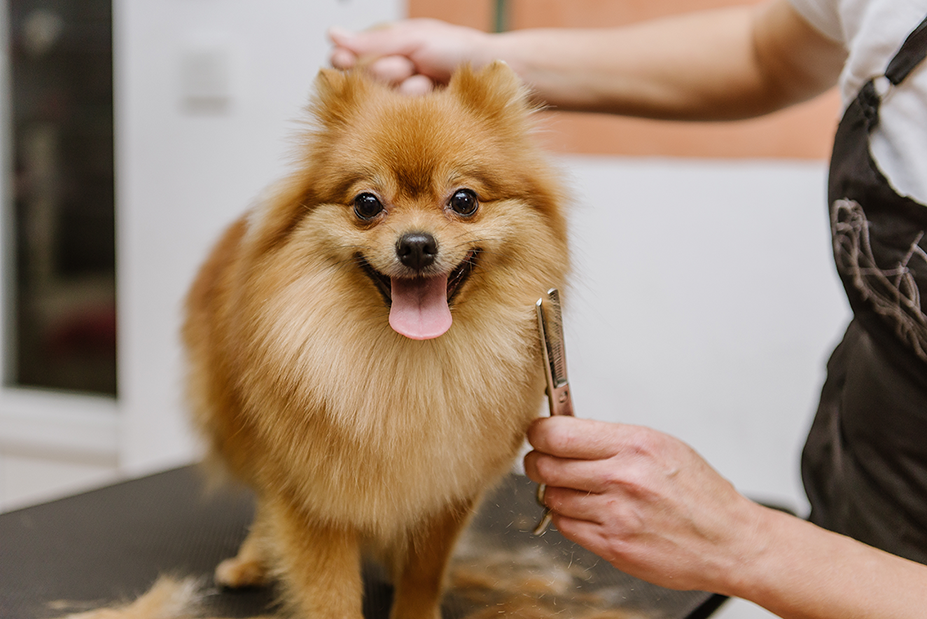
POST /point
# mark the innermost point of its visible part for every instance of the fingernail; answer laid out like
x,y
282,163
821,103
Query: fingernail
x,y
339,33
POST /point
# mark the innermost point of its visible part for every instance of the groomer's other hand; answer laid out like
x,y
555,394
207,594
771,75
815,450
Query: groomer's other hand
x,y
413,54
642,500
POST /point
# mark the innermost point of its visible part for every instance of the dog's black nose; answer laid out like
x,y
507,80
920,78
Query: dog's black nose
x,y
417,250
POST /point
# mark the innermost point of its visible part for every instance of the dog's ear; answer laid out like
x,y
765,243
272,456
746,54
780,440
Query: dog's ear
x,y
336,95
494,91
273,215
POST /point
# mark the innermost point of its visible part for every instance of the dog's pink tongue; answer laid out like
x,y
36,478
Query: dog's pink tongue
x,y
419,307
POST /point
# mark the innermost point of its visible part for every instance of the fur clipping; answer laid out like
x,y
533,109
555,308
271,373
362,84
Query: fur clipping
x,y
168,598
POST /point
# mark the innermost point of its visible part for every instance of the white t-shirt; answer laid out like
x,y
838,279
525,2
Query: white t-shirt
x,y
873,31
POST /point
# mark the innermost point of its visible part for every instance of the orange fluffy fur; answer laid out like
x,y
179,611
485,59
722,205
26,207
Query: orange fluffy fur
x,y
355,438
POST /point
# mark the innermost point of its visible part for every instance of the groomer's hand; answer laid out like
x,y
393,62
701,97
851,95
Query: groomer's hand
x,y
644,501
412,55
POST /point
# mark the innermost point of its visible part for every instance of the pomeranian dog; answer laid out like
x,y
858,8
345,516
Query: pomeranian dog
x,y
362,343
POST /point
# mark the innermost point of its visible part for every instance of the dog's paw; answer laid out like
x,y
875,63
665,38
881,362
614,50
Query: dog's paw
x,y
235,573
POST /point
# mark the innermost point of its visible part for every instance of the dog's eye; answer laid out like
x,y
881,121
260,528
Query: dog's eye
x,y
367,206
464,202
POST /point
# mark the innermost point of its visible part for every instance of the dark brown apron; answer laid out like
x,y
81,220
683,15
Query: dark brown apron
x,y
864,465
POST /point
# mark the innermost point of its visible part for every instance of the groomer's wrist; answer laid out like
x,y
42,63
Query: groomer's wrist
x,y
754,554
783,566
502,46
519,49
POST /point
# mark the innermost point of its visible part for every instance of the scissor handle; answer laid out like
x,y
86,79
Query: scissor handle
x,y
560,402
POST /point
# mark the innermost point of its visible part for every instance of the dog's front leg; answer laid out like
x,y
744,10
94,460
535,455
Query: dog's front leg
x,y
321,567
420,578
250,567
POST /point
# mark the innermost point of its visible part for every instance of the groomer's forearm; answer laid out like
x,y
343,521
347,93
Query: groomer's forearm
x,y
800,571
714,65
688,67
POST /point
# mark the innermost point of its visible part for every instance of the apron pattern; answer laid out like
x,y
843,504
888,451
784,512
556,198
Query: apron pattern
x,y
892,292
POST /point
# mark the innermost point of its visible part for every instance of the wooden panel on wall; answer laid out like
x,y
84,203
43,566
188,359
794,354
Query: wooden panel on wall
x,y
597,13
802,132
472,13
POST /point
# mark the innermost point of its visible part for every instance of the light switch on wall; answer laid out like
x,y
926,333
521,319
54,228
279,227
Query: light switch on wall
x,y
206,79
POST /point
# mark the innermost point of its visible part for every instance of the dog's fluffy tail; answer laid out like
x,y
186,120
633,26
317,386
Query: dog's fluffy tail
x,y
168,598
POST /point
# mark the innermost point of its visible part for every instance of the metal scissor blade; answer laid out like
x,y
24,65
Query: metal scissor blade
x,y
553,330
550,329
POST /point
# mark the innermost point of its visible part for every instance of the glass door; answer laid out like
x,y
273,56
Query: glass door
x,y
61,272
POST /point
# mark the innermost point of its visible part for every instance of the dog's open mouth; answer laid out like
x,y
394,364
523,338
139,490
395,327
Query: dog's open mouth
x,y
419,306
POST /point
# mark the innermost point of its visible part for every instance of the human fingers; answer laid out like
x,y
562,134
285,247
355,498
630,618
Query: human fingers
x,y
582,475
640,559
392,70
572,437
577,504
416,85
435,48
661,512
385,40
672,546
587,533
342,58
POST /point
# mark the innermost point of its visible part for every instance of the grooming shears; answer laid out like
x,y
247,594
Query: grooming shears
x,y
550,329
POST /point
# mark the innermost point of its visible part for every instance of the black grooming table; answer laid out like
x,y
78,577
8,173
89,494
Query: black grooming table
x,y
110,545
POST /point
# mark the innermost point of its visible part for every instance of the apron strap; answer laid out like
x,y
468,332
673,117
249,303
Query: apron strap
x,y
911,53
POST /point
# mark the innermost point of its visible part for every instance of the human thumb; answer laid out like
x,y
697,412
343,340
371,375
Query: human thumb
x,y
380,40
341,36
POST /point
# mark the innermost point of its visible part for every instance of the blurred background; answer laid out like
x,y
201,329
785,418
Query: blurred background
x,y
703,303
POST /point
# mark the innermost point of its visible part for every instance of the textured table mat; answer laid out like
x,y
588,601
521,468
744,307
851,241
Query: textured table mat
x,y
110,545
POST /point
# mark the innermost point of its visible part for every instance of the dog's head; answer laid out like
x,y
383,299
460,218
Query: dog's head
x,y
420,196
